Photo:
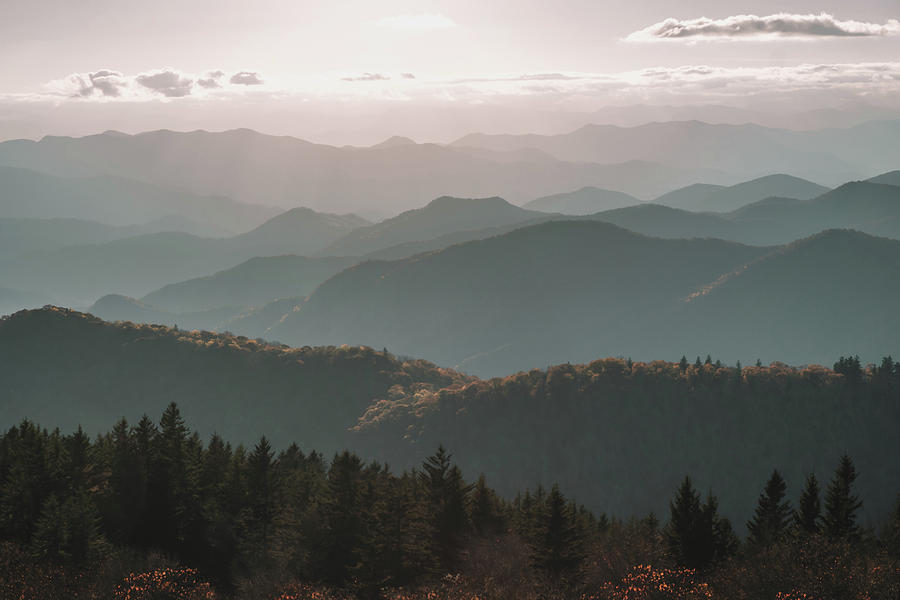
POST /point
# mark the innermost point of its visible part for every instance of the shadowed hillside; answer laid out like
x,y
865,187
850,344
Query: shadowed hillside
x,y
97,196
575,289
541,294
233,386
618,434
701,197
253,283
441,216
136,266
586,201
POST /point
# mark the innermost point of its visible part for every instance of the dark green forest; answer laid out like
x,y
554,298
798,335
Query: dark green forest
x,y
618,435
150,510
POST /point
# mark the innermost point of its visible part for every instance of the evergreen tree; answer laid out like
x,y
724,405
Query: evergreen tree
x,y
840,503
557,550
261,481
345,532
67,530
683,364
696,535
448,495
850,368
809,510
773,513
487,518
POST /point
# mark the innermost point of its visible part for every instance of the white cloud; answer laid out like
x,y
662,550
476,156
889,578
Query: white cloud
x,y
246,78
568,90
423,21
211,79
367,77
781,25
168,82
103,83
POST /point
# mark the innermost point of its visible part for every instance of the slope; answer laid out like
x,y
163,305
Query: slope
x,y
255,282
556,291
586,201
736,196
116,200
441,216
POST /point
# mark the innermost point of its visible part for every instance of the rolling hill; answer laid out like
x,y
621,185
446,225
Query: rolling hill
x,y
701,198
566,291
115,307
890,178
868,207
116,200
618,435
138,265
230,385
833,293
586,201
540,294
828,155
253,283
691,194
863,206
441,216
287,172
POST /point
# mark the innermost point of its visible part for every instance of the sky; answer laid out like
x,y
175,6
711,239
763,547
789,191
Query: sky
x,y
355,71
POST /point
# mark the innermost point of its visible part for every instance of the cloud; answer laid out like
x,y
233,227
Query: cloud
x,y
211,79
414,22
168,82
544,77
407,76
246,78
781,25
105,83
368,77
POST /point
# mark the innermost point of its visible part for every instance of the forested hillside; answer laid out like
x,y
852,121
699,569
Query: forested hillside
x,y
235,386
151,511
599,428
616,434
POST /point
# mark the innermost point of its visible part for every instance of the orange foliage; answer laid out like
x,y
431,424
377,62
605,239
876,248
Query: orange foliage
x,y
646,583
165,584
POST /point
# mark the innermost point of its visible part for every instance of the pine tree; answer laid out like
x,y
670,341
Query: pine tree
x,y
448,496
696,535
840,503
557,550
487,518
773,513
850,368
261,481
340,548
809,510
683,364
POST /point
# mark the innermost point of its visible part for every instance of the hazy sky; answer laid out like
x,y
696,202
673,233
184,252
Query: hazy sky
x,y
327,70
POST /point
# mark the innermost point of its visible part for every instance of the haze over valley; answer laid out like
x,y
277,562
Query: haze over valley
x,y
450,301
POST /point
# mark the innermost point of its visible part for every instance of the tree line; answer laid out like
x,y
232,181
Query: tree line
x,y
260,517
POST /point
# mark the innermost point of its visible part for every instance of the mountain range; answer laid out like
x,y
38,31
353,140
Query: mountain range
x,y
441,216
135,266
831,156
705,197
570,290
586,201
255,168
116,200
